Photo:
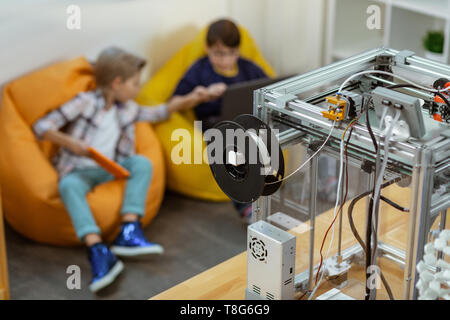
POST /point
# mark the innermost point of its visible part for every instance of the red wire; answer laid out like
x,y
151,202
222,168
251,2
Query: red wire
x,y
340,208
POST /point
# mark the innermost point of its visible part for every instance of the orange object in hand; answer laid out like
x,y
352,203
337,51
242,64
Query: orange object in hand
x,y
112,167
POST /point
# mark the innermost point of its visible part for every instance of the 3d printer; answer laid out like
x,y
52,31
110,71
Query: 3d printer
x,y
321,142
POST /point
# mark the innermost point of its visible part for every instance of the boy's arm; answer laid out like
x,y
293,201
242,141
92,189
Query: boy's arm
x,y
199,95
47,127
187,95
176,103
63,140
58,118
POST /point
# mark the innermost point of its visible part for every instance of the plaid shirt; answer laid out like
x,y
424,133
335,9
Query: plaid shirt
x,y
80,117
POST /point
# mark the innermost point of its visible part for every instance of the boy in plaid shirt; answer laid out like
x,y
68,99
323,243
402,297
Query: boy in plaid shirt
x,y
104,119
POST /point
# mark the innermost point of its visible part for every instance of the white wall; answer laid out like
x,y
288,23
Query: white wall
x,y
289,32
33,33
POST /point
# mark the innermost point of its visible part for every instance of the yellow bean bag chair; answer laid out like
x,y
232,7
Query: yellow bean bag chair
x,y
31,201
195,180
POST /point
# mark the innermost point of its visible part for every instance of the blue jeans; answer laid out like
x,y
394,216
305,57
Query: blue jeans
x,y
74,186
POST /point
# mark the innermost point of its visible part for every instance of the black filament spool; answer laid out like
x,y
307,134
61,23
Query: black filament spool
x,y
246,183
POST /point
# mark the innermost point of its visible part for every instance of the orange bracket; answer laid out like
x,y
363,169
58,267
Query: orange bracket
x,y
335,103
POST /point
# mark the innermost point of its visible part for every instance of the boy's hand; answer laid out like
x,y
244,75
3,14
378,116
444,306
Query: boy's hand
x,y
78,147
216,90
197,96
200,94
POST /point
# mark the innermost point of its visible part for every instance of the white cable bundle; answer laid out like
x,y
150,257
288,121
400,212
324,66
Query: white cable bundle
x,y
431,285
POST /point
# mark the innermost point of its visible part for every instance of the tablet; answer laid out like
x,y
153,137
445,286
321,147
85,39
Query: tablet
x,y
109,165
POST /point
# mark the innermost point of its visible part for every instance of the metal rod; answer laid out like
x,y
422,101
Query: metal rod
x,y
387,249
416,91
257,110
442,227
341,196
312,216
331,72
419,223
443,220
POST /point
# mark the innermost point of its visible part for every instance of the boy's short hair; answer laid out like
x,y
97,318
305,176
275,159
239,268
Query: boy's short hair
x,y
225,31
114,62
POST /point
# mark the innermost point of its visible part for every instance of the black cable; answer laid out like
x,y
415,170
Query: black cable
x,y
369,228
359,197
395,205
397,86
369,215
356,234
383,279
372,136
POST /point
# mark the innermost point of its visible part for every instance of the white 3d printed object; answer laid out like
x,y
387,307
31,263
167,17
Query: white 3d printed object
x,y
435,285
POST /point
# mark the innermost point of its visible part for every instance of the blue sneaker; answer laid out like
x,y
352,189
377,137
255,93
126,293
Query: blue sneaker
x,y
131,242
105,266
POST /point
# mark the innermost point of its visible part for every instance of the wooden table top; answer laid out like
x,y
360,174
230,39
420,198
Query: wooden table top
x,y
228,280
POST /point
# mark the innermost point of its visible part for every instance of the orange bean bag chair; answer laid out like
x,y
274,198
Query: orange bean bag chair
x,y
31,201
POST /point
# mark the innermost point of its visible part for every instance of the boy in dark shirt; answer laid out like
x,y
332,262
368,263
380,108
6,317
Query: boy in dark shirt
x,y
209,77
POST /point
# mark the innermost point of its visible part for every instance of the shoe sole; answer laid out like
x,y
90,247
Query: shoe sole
x,y
108,278
132,252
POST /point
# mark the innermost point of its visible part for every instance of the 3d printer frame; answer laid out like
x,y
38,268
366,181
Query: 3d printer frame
x,y
421,160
